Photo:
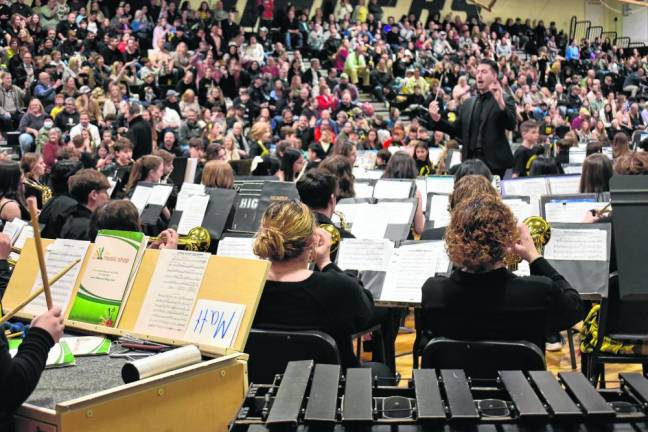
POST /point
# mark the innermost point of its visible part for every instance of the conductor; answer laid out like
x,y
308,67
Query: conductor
x,y
482,121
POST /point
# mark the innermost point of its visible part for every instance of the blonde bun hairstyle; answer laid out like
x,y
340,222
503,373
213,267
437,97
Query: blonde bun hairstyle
x,y
285,232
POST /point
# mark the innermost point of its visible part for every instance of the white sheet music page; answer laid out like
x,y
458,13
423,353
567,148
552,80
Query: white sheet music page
x,y
408,270
364,254
363,190
421,187
564,184
577,245
520,208
349,210
193,214
395,189
570,211
534,188
439,212
172,293
438,246
440,184
236,247
13,229
58,256
160,194
140,197
370,224
398,213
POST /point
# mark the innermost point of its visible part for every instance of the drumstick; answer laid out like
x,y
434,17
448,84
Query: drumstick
x,y
301,173
38,292
33,212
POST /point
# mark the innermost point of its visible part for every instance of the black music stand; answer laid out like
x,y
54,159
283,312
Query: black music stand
x,y
179,169
253,199
629,196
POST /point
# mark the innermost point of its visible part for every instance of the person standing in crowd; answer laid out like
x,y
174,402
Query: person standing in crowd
x,y
483,121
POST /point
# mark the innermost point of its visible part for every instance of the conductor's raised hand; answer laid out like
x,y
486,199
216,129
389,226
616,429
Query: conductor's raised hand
x,y
498,94
525,248
322,248
52,322
435,111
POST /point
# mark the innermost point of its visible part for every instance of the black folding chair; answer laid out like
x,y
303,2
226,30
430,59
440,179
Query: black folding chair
x,y
482,359
271,350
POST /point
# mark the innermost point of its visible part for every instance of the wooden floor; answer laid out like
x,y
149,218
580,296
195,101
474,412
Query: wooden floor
x,y
556,361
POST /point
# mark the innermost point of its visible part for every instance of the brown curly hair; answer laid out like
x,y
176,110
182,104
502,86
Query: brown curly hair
x,y
469,187
480,233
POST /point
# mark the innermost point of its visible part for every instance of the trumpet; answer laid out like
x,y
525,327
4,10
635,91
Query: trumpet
x,y
197,239
540,233
45,191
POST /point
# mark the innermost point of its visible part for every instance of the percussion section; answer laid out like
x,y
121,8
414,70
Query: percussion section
x,y
308,397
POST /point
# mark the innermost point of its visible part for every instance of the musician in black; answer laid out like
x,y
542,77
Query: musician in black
x,y
120,168
317,189
482,299
57,210
90,188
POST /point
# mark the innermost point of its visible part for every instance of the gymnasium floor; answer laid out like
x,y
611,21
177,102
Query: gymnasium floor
x,y
556,361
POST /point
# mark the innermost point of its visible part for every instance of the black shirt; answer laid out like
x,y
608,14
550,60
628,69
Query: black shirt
x,y
54,215
474,144
521,159
328,301
77,226
498,305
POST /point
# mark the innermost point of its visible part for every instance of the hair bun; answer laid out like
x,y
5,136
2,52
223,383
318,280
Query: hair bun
x,y
269,244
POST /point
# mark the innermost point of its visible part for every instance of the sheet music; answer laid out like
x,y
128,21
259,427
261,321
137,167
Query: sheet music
x,y
190,171
26,232
577,245
439,212
435,155
520,208
533,187
408,270
577,156
193,214
398,213
361,173
160,194
570,211
363,190
573,169
13,229
421,186
364,254
523,269
140,197
440,184
564,185
236,247
57,256
349,210
112,182
455,159
438,246
370,224
172,293
188,191
392,189
193,188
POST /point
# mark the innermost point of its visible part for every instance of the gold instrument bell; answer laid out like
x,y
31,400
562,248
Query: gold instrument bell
x,y
197,239
540,231
334,231
45,191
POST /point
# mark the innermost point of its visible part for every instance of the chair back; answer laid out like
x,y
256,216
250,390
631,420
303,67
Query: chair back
x,y
482,359
624,319
271,350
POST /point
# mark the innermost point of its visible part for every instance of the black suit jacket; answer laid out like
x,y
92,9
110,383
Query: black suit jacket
x,y
495,123
499,305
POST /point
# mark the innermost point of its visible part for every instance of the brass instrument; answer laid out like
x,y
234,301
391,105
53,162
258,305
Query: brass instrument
x,y
197,239
45,191
540,231
12,262
334,232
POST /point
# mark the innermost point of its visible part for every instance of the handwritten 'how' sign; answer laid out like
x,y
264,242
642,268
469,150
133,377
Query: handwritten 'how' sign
x,y
215,323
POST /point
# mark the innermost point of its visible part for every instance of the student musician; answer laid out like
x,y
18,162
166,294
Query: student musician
x,y
123,215
292,161
402,166
482,299
57,210
218,174
120,168
19,375
90,188
295,297
33,168
527,152
149,168
12,201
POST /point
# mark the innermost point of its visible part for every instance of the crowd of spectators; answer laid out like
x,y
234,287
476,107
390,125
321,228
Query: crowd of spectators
x,y
194,82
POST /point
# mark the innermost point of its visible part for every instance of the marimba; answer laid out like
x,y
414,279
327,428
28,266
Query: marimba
x,y
314,398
